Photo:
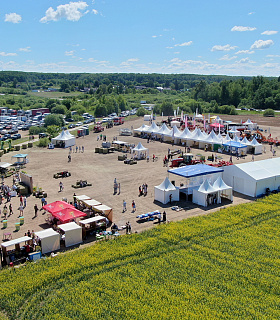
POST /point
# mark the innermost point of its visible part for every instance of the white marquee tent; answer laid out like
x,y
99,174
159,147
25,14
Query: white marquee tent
x,y
164,190
140,150
224,190
252,178
201,194
50,240
64,140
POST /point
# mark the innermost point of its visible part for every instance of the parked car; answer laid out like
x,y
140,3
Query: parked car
x,y
6,136
72,125
16,136
42,135
79,124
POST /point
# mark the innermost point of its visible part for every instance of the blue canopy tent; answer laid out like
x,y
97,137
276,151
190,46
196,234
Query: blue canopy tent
x,y
235,147
195,175
21,159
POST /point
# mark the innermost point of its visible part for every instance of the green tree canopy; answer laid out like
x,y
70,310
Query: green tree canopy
x,y
54,119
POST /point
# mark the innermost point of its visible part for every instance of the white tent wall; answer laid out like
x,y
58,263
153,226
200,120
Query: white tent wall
x,y
262,185
73,237
163,196
50,244
199,198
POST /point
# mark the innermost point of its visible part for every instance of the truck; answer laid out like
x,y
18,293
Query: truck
x,y
98,128
185,160
118,121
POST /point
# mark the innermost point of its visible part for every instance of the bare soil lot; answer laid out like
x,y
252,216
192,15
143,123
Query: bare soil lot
x,y
102,169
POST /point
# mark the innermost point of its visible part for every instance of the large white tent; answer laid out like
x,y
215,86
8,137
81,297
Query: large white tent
x,y
64,140
72,233
253,178
164,190
224,191
50,240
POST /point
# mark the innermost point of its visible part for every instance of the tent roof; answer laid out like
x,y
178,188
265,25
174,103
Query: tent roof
x,y
246,141
195,170
206,187
213,138
20,155
63,136
248,122
92,202
163,130
83,197
262,169
46,233
92,219
144,127
153,128
220,184
254,142
166,185
199,135
67,214
57,206
102,207
234,144
69,226
139,147
15,241
5,165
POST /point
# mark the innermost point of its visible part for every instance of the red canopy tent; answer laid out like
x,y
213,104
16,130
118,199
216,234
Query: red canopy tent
x,y
68,214
57,206
216,125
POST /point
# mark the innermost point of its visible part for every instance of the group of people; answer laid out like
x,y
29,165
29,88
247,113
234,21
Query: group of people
x,y
117,186
143,190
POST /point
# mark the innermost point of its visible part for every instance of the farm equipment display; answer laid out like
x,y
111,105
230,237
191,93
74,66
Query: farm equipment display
x,y
62,174
98,128
118,121
185,160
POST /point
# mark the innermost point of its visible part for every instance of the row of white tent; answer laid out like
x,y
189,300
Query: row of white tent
x,y
196,135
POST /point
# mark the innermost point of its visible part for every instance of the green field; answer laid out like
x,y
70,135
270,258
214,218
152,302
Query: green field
x,y
221,266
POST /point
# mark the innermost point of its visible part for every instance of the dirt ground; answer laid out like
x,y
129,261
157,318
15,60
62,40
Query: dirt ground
x,y
102,169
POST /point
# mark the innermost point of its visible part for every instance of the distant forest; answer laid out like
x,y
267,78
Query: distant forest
x,y
102,93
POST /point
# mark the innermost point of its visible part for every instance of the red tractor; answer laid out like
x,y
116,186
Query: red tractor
x,y
185,160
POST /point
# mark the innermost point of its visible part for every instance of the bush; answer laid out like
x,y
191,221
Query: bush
x,y
141,112
269,113
35,130
43,143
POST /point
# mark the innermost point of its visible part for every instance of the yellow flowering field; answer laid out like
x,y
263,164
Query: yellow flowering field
x,y
225,265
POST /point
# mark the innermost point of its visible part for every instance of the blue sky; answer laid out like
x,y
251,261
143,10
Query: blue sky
x,y
179,36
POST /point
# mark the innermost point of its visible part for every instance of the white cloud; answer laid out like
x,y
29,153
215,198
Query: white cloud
x,y
245,52
132,60
154,36
241,28
269,32
12,17
94,11
27,49
184,44
273,56
226,47
5,54
129,62
250,13
69,53
71,11
245,60
262,44
169,47
227,57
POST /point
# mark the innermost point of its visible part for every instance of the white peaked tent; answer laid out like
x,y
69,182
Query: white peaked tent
x,y
163,131
246,141
64,140
69,134
164,190
50,240
140,150
257,147
143,128
152,129
227,138
202,194
236,139
224,190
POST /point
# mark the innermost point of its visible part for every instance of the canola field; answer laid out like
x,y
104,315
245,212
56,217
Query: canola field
x,y
225,265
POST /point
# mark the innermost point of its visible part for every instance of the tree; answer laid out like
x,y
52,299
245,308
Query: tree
x,y
59,109
141,112
54,119
53,130
269,113
167,108
100,110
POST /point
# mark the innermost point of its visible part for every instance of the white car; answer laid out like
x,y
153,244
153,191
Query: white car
x,y
79,124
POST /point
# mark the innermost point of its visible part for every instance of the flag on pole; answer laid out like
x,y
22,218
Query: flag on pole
x,y
175,113
186,121
182,115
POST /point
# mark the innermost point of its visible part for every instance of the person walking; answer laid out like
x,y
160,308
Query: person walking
x,y
24,201
5,211
60,186
69,157
20,210
10,209
83,149
129,227
76,149
119,187
126,228
20,200
124,205
133,206
35,210
43,201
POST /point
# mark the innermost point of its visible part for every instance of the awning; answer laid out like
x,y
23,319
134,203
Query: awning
x,y
57,206
82,197
5,165
195,170
68,214
15,241
93,219
91,202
